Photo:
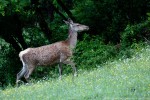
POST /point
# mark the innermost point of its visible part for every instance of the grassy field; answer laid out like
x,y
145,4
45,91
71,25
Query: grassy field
x,y
120,79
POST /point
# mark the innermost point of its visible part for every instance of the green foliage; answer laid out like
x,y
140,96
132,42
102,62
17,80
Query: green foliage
x,y
91,52
135,33
34,37
148,14
3,4
60,30
119,79
8,64
8,7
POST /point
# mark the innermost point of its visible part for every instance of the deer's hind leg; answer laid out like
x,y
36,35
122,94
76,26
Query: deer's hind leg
x,y
21,73
29,72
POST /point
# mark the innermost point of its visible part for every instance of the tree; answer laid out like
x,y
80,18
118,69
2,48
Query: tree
x,y
21,14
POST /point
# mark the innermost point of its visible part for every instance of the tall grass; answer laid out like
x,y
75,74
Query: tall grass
x,y
119,79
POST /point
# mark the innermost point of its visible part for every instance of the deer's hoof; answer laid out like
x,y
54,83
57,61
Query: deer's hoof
x,y
60,78
19,82
75,74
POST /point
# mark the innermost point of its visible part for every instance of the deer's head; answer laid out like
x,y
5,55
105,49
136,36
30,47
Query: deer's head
x,y
76,26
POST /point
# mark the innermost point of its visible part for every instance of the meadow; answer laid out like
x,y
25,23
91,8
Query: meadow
x,y
114,80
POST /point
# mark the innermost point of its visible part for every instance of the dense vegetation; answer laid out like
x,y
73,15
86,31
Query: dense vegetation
x,y
115,27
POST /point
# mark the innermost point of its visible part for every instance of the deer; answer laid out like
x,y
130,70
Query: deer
x,y
55,53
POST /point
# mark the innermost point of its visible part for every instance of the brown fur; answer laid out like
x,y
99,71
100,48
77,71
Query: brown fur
x,y
48,54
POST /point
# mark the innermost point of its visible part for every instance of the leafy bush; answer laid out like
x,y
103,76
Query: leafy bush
x,y
34,37
91,52
135,33
9,62
148,14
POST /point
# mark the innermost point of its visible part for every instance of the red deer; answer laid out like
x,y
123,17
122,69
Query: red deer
x,y
59,52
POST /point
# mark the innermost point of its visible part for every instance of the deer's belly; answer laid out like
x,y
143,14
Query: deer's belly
x,y
46,60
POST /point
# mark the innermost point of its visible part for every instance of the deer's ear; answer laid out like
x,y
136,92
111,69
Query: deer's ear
x,y
70,21
66,22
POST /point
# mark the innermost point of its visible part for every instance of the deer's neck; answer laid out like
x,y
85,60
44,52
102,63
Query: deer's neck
x,y
72,39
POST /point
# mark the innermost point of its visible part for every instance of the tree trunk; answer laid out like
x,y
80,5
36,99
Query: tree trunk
x,y
43,25
65,9
21,39
18,30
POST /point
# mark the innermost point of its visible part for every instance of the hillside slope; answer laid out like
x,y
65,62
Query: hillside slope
x,y
120,79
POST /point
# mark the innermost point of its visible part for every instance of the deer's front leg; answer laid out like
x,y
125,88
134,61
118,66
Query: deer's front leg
x,y
60,70
72,65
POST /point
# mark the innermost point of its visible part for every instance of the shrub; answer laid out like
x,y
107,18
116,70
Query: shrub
x,y
135,33
8,64
91,52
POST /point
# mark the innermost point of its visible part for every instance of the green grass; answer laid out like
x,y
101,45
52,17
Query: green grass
x,y
119,79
